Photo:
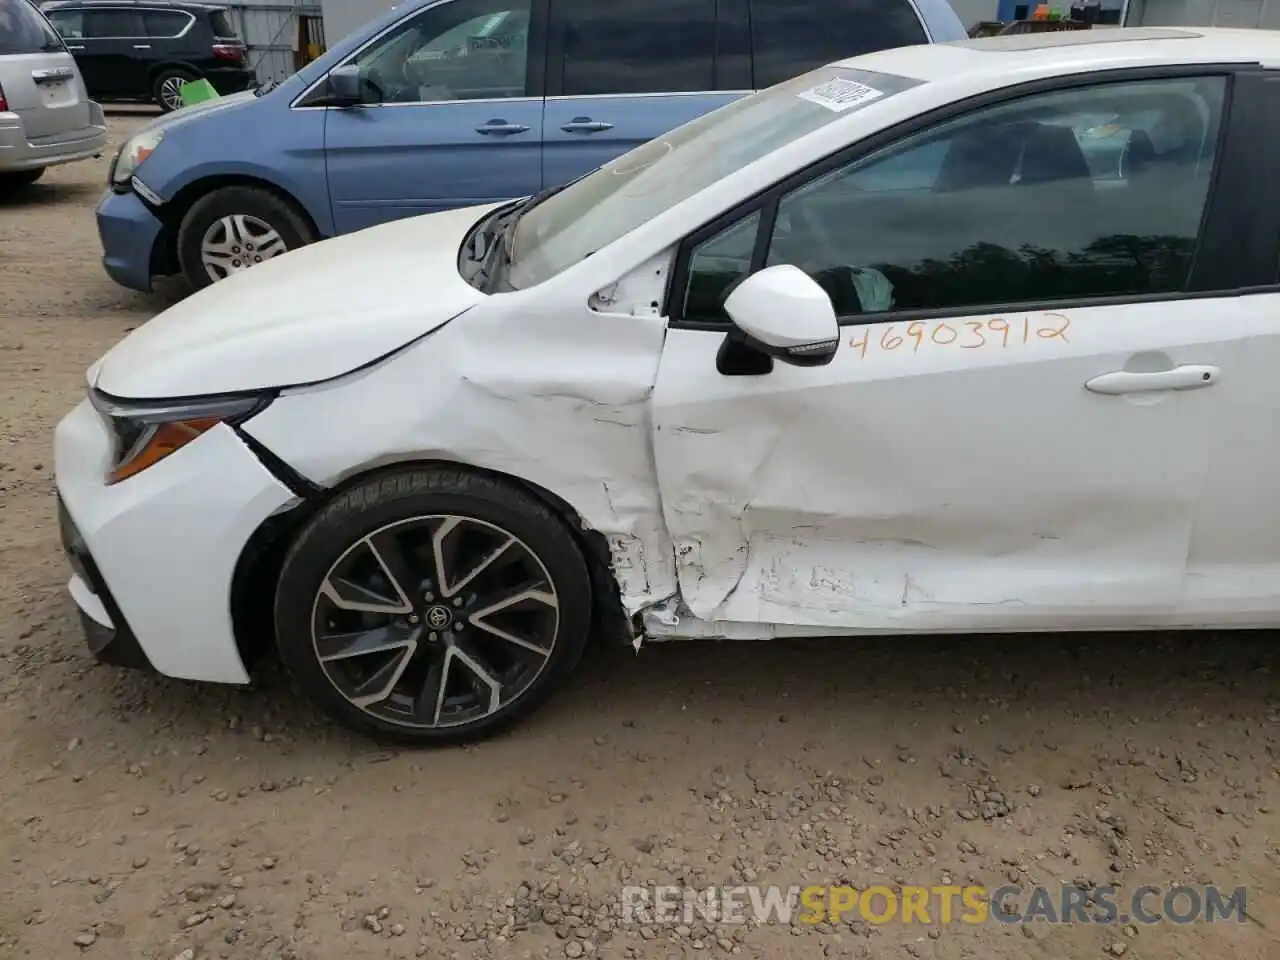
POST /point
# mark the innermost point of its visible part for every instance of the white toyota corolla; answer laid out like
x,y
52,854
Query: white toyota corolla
x,y
978,336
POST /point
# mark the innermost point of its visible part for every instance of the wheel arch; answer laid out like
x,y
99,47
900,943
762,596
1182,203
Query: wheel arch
x,y
163,66
165,252
262,559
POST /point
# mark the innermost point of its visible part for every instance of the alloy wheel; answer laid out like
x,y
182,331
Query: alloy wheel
x,y
171,92
436,621
235,243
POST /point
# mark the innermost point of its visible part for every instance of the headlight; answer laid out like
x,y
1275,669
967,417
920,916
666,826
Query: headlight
x,y
144,434
131,155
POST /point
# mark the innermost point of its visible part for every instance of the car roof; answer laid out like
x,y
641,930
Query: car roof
x,y
194,6
1072,51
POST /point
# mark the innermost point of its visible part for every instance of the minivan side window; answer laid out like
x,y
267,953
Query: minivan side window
x,y
22,30
789,37
1063,196
165,23
638,46
113,24
463,50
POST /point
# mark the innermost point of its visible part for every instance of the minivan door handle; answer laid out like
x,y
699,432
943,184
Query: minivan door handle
x,y
501,127
1189,376
586,125
69,47
142,46
54,75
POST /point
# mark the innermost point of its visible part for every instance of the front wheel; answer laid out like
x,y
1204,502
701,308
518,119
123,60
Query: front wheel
x,y
432,607
236,228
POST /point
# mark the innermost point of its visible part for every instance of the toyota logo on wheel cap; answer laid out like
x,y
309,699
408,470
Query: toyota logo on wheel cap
x,y
439,617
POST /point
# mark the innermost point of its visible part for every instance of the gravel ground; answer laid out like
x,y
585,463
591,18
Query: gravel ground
x,y
147,818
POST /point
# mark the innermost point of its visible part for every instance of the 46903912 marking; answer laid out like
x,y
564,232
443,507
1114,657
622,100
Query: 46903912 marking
x,y
961,334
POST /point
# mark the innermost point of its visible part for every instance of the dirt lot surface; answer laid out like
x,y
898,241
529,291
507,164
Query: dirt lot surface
x,y
142,817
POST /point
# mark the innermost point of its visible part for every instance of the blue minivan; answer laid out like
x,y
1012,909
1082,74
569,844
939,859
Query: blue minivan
x,y
445,103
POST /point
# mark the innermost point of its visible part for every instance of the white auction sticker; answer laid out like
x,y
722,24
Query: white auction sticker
x,y
840,94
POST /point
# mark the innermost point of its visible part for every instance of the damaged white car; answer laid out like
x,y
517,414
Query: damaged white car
x,y
961,337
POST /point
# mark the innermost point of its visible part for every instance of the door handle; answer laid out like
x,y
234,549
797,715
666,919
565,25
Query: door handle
x,y
142,46
1190,376
501,127
55,75
586,125
69,47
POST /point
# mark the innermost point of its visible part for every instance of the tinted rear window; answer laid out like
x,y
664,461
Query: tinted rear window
x,y
221,24
164,23
790,37
22,30
638,46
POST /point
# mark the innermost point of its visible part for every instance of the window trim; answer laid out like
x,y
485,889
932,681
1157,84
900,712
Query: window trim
x,y
313,97
557,28
1205,271
141,12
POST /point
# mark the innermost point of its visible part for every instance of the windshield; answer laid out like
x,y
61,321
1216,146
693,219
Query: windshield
x,y
630,190
23,30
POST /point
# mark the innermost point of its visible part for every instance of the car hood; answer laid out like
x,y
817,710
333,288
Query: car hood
x,y
315,313
205,108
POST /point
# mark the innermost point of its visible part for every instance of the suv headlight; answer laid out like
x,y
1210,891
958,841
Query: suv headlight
x,y
135,150
144,434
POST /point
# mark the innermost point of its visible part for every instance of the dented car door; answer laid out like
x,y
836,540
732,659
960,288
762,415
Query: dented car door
x,y
953,467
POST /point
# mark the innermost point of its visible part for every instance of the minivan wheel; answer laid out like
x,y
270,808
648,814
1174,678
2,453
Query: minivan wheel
x,y
16,179
235,228
432,606
167,89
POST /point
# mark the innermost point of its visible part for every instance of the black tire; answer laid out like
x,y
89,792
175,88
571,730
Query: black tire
x,y
368,509
263,205
17,179
164,78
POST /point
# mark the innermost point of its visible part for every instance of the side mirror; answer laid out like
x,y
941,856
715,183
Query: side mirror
x,y
781,312
344,86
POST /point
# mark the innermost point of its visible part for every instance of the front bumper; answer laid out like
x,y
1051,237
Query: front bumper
x,y
19,153
153,557
105,629
128,231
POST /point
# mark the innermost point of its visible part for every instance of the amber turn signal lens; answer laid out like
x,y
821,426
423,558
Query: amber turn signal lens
x,y
162,441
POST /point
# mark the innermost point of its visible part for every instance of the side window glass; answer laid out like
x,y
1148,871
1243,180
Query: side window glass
x,y
638,46
790,37
69,23
113,24
464,50
1083,193
162,24
716,265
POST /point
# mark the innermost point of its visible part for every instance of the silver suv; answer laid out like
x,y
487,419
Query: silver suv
x,y
46,116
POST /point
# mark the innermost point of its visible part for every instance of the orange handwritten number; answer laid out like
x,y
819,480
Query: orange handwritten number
x,y
976,327
1000,326
860,344
889,340
1049,332
916,329
938,329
